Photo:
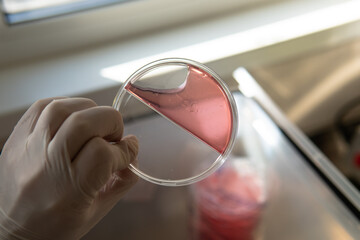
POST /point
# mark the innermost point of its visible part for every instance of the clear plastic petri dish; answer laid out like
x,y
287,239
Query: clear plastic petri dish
x,y
184,117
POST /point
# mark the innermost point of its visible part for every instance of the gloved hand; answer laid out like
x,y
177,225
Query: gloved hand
x,y
62,169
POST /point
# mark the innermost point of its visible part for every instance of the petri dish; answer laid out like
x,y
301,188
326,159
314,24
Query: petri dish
x,y
184,117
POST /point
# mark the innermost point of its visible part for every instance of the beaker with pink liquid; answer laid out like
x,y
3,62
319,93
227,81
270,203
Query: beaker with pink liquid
x,y
229,204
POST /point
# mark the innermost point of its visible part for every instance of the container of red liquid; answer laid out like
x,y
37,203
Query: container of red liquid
x,y
229,203
184,116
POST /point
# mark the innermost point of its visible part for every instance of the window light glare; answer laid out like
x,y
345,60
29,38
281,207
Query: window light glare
x,y
251,39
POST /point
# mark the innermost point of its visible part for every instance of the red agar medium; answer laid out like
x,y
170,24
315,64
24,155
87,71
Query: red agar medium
x,y
200,106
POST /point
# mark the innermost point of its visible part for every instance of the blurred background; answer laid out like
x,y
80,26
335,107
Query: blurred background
x,y
304,54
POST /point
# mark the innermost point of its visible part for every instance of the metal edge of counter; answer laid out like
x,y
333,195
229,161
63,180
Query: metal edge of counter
x,y
336,181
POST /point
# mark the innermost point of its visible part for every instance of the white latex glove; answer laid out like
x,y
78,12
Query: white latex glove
x,y
62,169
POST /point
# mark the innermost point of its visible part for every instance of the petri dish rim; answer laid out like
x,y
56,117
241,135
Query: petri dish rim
x,y
222,157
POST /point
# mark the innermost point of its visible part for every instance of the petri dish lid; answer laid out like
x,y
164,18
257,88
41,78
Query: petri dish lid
x,y
184,117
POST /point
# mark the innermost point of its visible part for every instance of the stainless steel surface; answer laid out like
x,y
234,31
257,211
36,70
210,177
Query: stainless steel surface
x,y
299,204
248,85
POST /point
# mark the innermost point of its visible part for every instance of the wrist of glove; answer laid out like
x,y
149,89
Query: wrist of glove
x,y
10,230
